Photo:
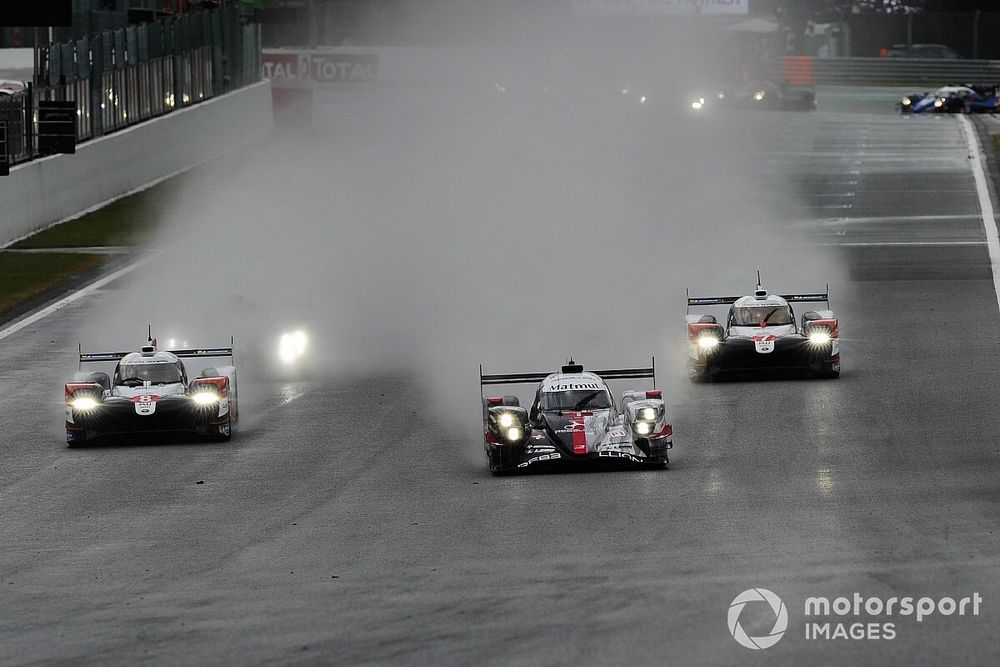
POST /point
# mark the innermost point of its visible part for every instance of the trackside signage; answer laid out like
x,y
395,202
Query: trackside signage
x,y
327,67
850,617
662,7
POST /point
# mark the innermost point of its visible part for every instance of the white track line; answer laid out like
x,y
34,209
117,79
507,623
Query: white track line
x,y
75,296
985,203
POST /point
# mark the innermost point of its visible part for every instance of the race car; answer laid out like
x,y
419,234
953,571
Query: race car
x,y
973,98
755,95
760,333
149,392
573,420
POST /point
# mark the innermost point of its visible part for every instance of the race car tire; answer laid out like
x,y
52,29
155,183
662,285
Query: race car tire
x,y
829,372
226,434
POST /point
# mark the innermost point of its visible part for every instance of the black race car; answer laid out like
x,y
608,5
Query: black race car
x,y
760,333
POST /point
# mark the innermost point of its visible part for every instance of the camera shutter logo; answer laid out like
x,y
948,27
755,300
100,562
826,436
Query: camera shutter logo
x,y
780,621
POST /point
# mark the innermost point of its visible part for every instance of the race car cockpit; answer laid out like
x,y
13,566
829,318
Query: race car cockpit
x,y
160,373
761,315
572,401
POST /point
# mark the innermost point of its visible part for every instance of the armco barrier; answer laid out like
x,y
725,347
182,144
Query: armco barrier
x,y
918,71
48,190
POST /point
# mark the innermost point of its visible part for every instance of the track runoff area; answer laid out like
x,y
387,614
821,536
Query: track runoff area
x,y
854,525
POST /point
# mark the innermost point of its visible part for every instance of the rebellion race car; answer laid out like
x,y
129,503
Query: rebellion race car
x,y
149,392
760,333
573,420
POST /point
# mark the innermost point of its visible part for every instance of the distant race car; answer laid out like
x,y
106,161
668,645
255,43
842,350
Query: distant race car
x,y
760,333
974,98
149,392
573,419
755,95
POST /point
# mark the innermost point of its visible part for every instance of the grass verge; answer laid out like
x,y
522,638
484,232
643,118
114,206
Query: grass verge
x,y
25,276
127,222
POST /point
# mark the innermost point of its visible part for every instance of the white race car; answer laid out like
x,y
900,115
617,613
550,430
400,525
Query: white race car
x,y
760,333
149,391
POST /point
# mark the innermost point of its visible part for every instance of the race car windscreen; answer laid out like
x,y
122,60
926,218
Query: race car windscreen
x,y
155,373
754,316
588,399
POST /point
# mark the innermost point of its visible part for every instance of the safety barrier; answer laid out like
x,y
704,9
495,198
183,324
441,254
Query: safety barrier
x,y
805,70
123,77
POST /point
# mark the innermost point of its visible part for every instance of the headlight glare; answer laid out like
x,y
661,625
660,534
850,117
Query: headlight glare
x,y
708,342
206,398
819,337
514,433
697,105
642,428
506,420
84,403
649,414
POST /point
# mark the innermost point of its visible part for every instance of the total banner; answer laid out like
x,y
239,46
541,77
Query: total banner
x,y
662,7
318,66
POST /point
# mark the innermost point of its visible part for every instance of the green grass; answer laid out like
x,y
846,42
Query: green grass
x,y
24,275
127,222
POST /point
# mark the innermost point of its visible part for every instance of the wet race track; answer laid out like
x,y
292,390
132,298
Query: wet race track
x,y
347,522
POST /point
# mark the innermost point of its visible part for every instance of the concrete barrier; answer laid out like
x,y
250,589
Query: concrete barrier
x,y
39,194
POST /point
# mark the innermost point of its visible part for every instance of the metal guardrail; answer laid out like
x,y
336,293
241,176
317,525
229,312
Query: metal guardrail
x,y
123,77
917,71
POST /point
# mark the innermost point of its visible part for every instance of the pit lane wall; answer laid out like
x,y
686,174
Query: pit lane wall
x,y
41,193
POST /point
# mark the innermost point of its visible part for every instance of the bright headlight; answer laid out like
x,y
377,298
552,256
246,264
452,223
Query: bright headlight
x,y
759,95
642,428
291,346
708,342
514,433
907,101
819,338
649,414
506,420
938,103
206,398
84,403
697,105
721,96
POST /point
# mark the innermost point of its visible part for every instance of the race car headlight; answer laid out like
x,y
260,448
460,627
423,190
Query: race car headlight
x,y
708,342
907,101
698,104
819,337
649,414
84,403
721,96
514,434
505,420
642,428
759,95
938,104
206,398
291,346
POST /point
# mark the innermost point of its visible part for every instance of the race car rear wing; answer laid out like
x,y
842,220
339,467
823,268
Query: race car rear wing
x,y
191,353
534,378
815,297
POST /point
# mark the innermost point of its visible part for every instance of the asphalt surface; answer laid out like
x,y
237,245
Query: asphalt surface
x,y
345,523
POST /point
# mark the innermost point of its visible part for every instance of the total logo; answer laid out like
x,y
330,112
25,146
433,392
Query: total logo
x,y
757,595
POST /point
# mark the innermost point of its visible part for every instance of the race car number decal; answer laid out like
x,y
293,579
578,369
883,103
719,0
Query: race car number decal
x,y
145,405
764,344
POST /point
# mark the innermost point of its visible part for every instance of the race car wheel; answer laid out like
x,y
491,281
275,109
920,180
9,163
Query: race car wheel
x,y
830,371
223,432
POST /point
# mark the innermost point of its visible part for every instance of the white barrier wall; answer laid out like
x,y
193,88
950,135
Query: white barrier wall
x,y
60,187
